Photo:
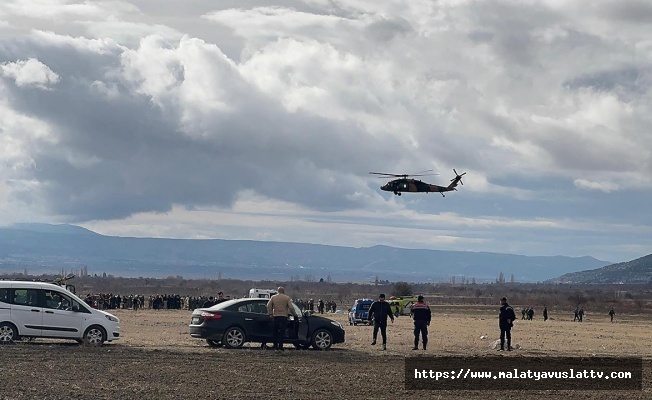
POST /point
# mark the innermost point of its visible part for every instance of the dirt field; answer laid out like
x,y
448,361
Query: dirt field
x,y
156,358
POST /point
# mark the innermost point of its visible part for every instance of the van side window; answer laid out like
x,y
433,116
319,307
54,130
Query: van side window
x,y
26,297
4,295
57,300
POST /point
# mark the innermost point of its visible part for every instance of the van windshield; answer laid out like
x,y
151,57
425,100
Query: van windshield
x,y
364,306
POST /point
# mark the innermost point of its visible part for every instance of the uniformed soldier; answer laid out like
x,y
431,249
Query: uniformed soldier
x,y
421,314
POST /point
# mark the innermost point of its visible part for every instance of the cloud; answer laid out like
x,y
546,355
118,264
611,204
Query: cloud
x,y
182,107
30,72
606,187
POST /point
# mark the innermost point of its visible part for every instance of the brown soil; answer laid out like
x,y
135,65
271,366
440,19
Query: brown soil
x,y
156,358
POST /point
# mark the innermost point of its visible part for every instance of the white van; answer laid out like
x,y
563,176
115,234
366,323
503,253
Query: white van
x,y
261,293
46,310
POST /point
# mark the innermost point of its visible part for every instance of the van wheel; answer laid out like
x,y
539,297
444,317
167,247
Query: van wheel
x,y
94,336
8,333
322,340
234,338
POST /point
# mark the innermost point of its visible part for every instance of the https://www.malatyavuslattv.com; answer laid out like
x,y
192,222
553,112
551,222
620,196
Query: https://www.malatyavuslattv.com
x,y
561,373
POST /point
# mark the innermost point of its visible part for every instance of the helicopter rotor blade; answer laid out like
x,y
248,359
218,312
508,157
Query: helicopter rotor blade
x,y
388,175
428,172
385,175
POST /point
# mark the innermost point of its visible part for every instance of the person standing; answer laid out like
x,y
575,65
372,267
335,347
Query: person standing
x,y
379,311
278,308
545,313
530,314
421,315
611,314
209,303
220,298
505,322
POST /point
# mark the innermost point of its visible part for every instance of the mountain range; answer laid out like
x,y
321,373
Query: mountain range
x,y
45,248
629,272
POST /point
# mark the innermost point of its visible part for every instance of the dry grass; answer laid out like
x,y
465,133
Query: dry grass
x,y
458,334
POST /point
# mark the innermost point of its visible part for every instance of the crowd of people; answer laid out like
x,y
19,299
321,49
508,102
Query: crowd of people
x,y
111,301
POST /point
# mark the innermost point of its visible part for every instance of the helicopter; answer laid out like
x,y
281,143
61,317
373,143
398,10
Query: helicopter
x,y
405,184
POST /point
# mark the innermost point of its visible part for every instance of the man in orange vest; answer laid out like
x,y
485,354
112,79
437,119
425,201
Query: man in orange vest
x,y
421,315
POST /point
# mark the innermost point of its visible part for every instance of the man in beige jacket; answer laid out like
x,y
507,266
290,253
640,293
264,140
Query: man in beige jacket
x,y
278,308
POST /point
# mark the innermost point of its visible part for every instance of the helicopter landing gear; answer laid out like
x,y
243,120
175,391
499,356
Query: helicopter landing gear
x,y
397,193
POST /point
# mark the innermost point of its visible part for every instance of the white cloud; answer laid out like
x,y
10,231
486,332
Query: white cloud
x,y
606,187
276,115
30,72
64,9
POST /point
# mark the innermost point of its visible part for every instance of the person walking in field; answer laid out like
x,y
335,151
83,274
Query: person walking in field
x,y
421,315
545,313
611,314
530,314
278,307
379,311
506,319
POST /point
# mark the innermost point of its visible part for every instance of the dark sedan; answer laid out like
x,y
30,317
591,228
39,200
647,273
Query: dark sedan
x,y
235,322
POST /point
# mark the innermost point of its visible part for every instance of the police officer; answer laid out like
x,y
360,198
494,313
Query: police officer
x,y
421,315
505,322
379,311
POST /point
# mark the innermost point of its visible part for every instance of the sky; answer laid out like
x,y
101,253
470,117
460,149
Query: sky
x,y
261,120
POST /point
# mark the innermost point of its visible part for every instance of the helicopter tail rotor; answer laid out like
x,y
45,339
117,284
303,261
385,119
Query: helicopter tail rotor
x,y
458,177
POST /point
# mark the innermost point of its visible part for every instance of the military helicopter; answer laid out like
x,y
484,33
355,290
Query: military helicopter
x,y
405,184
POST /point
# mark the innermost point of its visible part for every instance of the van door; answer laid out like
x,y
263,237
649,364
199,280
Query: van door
x,y
61,315
25,311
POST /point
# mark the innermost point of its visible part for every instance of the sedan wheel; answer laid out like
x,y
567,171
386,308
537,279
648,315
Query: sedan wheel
x,y
234,338
322,339
94,336
8,333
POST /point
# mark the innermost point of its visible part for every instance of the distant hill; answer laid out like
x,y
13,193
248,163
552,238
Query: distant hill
x,y
635,271
43,248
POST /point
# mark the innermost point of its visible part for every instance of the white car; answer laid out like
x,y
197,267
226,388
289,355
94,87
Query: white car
x,y
46,310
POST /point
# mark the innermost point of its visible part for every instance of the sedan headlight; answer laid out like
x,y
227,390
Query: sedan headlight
x,y
337,324
112,318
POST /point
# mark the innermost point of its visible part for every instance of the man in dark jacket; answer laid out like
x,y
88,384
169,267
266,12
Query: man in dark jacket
x,y
220,298
379,311
421,314
505,322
